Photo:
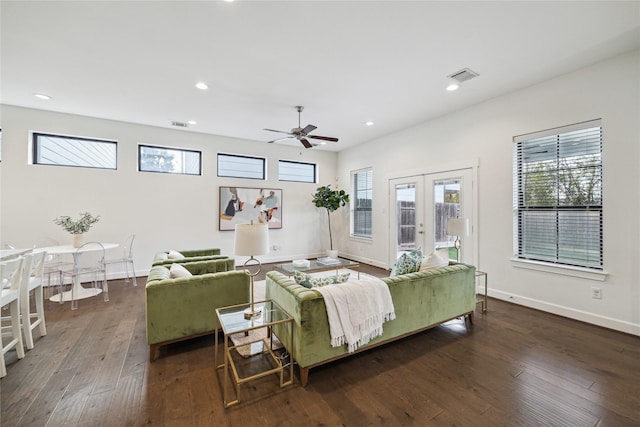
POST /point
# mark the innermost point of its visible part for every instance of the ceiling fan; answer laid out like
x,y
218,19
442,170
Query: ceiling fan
x,y
301,134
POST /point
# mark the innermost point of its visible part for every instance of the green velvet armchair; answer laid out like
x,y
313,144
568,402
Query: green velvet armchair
x,y
190,255
181,308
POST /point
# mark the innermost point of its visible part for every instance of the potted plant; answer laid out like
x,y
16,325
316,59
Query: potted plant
x,y
77,228
331,200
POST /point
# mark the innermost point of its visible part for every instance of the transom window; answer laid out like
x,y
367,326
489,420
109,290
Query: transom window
x,y
169,160
236,166
61,150
558,195
296,171
361,212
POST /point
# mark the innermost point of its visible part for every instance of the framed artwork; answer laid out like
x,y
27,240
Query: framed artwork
x,y
240,205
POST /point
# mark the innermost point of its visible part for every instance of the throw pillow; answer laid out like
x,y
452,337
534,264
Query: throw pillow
x,y
309,281
178,271
175,255
444,253
433,260
409,262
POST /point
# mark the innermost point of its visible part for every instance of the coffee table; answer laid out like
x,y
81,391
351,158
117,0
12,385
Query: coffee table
x,y
315,266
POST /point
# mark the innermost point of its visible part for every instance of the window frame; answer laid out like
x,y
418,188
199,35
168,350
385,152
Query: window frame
x,y
185,150
262,159
355,209
315,172
561,263
35,150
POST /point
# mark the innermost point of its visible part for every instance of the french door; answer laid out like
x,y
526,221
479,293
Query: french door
x,y
420,207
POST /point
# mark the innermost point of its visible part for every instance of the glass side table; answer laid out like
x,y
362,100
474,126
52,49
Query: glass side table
x,y
261,360
483,300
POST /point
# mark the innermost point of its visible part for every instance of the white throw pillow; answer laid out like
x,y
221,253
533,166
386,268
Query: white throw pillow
x,y
443,252
175,255
433,260
178,271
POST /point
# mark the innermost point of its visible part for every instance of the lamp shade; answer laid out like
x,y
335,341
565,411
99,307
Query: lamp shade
x,y
251,239
458,227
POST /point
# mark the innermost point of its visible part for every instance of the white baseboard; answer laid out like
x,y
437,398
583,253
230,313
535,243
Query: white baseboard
x,y
571,313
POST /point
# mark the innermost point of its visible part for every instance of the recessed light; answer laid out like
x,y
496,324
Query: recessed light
x,y
202,86
42,96
452,87
369,123
192,122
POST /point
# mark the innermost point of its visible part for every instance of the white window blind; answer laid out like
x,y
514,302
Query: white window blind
x,y
74,151
558,195
362,203
296,171
236,166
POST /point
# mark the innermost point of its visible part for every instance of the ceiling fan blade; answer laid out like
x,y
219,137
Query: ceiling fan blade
x,y
309,128
324,138
280,139
279,131
306,143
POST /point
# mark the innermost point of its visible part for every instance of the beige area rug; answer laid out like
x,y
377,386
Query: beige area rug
x,y
261,334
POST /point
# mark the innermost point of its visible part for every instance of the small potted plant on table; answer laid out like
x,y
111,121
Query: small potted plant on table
x,y
77,228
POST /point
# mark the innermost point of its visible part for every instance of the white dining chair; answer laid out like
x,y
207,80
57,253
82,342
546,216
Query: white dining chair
x,y
88,261
52,266
32,282
126,259
10,277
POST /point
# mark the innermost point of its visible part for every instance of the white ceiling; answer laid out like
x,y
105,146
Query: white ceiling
x,y
346,62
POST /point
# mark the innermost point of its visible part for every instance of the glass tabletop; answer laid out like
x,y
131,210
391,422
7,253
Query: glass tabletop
x,y
232,318
319,265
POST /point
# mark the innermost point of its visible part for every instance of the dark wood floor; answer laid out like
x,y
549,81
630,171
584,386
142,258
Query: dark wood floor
x,y
514,367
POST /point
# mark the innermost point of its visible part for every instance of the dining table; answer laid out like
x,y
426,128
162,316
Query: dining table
x,y
80,291
6,254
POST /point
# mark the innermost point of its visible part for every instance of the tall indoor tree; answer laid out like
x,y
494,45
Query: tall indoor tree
x,y
331,200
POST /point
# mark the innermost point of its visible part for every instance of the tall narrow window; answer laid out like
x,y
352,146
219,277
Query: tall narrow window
x,y
74,151
558,195
236,166
362,203
169,160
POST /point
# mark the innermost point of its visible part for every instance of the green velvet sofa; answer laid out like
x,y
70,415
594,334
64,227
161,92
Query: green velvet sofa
x,y
421,301
183,308
190,255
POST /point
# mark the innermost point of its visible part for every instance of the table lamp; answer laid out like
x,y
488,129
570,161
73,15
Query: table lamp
x,y
251,240
458,227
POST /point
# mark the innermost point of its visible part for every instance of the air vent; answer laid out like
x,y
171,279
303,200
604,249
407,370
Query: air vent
x,y
463,75
179,124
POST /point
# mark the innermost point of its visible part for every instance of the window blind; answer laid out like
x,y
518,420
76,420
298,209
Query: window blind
x,y
558,195
361,213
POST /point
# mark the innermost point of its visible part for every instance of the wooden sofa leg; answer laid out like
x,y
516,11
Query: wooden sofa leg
x,y
304,376
153,349
471,318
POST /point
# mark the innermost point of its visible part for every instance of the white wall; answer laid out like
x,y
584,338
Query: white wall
x,y
165,211
609,90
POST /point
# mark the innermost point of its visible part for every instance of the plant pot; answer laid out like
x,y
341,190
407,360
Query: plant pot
x,y
332,253
77,240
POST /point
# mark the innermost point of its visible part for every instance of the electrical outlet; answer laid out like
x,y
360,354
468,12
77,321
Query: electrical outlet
x,y
596,292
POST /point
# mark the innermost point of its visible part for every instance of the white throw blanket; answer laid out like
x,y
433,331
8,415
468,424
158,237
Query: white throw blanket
x,y
356,310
